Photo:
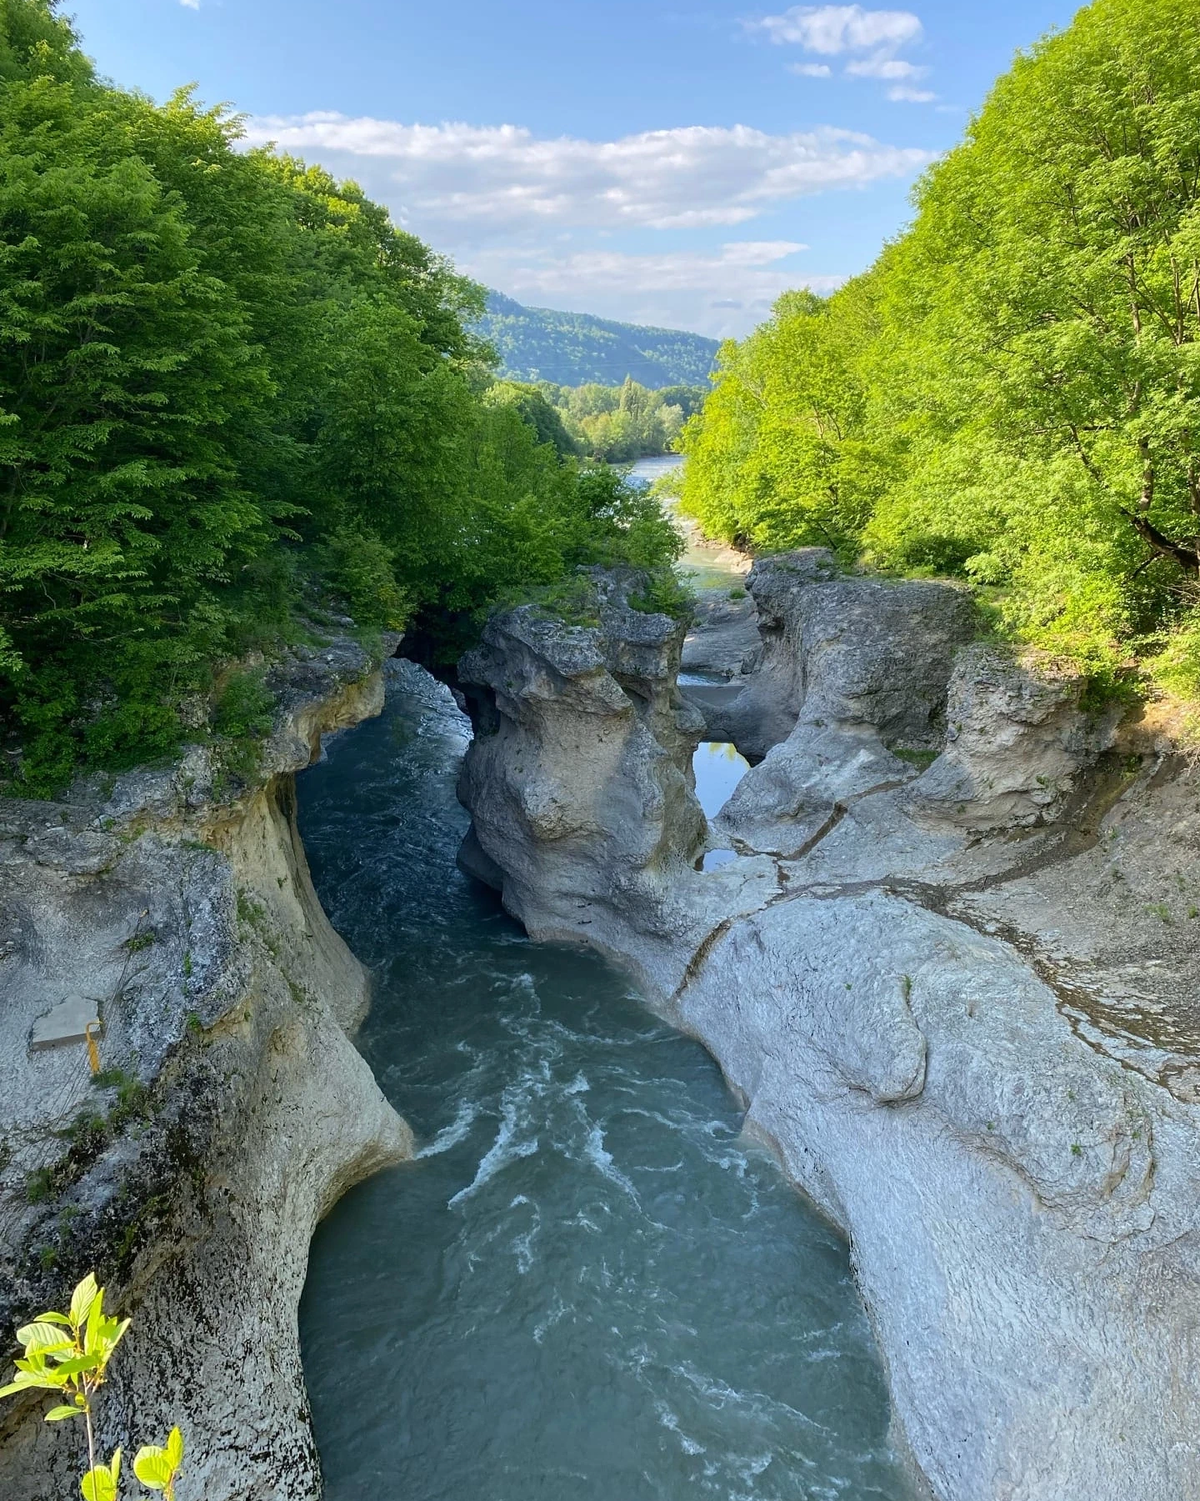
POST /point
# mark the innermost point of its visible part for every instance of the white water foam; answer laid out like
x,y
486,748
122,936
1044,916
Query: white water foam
x,y
501,1152
450,1136
595,1153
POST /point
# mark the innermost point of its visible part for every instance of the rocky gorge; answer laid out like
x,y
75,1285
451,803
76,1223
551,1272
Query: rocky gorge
x,y
938,940
174,907
946,961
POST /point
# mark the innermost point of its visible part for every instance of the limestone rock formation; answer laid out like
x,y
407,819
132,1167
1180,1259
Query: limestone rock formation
x,y
764,710
845,652
232,1109
1016,741
972,1034
579,777
723,639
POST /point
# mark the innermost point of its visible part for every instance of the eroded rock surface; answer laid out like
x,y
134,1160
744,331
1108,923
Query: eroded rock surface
x,y
844,652
723,639
232,1111
960,1000
580,779
1016,742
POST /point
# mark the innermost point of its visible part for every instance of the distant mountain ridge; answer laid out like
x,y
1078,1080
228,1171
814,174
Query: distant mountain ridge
x,y
572,349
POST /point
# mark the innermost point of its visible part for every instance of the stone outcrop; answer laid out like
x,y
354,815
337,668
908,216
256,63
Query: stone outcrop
x,y
845,652
723,640
1016,742
232,1110
580,778
960,1001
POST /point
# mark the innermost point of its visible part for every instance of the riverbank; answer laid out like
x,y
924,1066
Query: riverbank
x,y
231,1109
939,971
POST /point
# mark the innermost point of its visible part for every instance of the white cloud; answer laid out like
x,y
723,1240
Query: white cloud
x,y
837,30
882,66
722,293
901,93
480,183
190,4
833,29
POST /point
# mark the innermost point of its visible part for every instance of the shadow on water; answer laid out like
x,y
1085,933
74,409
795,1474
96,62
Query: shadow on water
x,y
589,1284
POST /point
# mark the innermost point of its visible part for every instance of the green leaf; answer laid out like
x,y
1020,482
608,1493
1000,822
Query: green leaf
x,y
77,1366
25,1382
43,1337
175,1447
57,1414
100,1484
156,1467
53,1318
95,1318
85,1294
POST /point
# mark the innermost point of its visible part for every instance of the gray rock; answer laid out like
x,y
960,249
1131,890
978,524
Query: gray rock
x,y
1017,739
579,777
845,652
877,653
723,639
792,797
766,709
187,917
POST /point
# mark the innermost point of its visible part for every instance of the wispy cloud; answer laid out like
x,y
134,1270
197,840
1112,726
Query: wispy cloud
x,y
721,293
530,214
880,66
190,4
482,182
868,39
834,29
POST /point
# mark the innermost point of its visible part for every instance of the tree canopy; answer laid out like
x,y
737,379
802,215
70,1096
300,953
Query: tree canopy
x,y
1011,393
234,400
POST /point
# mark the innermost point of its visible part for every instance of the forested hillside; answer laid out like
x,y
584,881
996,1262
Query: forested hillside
x,y
235,403
575,349
1011,394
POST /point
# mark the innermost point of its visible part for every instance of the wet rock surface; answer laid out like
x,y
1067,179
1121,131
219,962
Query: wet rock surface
x,y
232,1108
959,997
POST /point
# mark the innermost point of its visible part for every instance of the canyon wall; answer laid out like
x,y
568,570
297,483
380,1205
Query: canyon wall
x,y
949,963
232,1108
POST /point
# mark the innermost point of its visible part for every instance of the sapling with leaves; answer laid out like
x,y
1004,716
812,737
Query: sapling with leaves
x,y
68,1353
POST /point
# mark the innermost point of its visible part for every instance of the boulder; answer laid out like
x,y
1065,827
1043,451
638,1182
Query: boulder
x,y
1018,736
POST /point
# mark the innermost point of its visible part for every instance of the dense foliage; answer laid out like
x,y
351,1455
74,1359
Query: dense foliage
x,y
575,349
619,423
233,398
1012,393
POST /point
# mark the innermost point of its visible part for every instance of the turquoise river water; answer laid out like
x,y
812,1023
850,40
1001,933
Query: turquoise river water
x,y
588,1284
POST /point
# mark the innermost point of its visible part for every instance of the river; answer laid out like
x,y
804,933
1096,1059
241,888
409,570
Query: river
x,y
589,1284
705,564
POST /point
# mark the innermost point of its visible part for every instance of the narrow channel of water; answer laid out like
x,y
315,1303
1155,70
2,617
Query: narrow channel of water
x,y
589,1286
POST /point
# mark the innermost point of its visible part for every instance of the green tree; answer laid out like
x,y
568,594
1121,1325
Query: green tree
x,y
234,398
1012,392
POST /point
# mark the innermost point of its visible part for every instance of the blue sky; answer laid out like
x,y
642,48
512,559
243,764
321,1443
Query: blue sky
x,y
652,160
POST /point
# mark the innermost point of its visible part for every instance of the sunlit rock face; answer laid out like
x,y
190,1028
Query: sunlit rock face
x,y
845,651
233,1110
1017,739
952,972
579,778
